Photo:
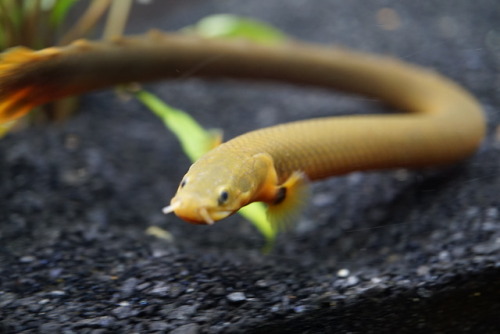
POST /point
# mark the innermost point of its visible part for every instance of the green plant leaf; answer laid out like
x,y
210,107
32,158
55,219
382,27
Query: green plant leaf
x,y
3,42
5,127
10,18
232,26
256,214
194,139
59,10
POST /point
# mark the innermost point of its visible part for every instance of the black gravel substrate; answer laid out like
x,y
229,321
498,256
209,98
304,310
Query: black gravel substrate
x,y
389,252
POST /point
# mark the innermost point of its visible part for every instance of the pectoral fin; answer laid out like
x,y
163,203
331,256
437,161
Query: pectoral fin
x,y
291,198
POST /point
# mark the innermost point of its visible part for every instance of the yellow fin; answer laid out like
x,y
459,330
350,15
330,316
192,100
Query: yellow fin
x,y
14,105
216,138
295,198
15,98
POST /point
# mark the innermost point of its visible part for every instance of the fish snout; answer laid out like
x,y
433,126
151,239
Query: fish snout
x,y
197,214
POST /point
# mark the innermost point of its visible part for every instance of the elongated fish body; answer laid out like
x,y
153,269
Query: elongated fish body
x,y
443,123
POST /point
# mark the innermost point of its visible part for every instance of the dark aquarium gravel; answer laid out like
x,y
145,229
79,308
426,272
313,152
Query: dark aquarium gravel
x,y
383,252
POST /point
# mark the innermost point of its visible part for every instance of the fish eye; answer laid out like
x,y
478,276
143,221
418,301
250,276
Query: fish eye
x,y
223,197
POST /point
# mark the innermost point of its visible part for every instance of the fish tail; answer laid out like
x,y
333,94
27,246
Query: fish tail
x,y
293,197
17,95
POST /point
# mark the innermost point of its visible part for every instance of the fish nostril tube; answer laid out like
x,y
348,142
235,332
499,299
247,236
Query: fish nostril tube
x,y
171,208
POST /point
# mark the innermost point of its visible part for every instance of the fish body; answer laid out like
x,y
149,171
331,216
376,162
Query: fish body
x,y
443,123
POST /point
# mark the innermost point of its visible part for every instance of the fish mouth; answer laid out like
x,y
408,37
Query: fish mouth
x,y
211,217
202,215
